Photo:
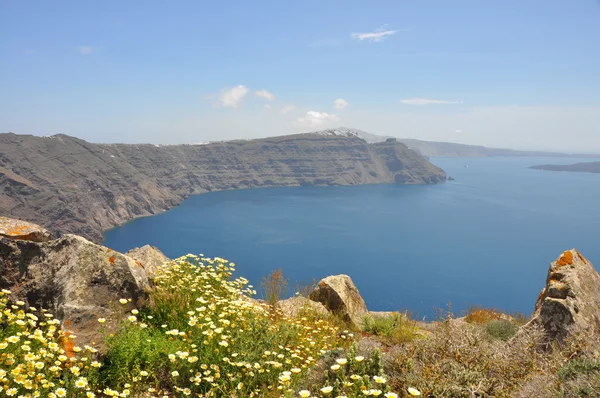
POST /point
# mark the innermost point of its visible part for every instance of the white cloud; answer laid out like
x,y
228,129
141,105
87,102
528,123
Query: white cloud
x,y
425,101
232,98
264,94
458,131
267,107
378,35
318,119
85,50
340,103
286,109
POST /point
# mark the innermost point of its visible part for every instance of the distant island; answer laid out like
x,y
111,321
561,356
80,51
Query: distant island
x,y
585,167
454,150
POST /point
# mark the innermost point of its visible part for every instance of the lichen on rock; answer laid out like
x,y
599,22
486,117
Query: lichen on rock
x,y
570,302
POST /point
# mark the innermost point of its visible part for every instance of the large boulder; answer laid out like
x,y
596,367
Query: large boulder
x,y
339,295
22,230
149,258
570,302
76,280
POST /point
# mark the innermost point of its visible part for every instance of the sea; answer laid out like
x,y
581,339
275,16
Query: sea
x,y
485,239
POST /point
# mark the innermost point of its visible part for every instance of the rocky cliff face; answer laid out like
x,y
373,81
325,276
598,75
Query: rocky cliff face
x,y
73,186
570,302
76,280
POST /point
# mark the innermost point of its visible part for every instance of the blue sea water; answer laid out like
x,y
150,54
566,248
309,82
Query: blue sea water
x,y
486,238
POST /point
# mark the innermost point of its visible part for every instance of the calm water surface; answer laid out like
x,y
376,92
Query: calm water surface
x,y
486,238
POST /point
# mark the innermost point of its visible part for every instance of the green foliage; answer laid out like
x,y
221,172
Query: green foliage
x,y
501,329
577,367
396,328
136,350
202,335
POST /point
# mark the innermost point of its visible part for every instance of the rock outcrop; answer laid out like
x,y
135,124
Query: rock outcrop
x,y
149,258
339,295
73,186
570,302
76,280
22,230
294,307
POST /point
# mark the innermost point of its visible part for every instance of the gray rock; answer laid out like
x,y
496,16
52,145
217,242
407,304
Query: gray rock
x,y
76,280
570,302
22,230
339,295
149,258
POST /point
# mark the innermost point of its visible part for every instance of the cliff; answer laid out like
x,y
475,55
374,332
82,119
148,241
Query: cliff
x,y
586,167
73,186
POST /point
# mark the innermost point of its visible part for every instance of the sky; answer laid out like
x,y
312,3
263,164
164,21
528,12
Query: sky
x,y
522,74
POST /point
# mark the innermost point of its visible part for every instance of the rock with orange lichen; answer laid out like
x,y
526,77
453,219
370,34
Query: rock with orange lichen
x,y
570,302
21,230
75,279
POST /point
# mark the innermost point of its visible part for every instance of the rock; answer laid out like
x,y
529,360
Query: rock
x,y
22,230
339,295
149,258
76,280
570,302
294,306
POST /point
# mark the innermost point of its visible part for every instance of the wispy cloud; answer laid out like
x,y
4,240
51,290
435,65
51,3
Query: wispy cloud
x,y
286,109
85,50
340,103
426,101
318,119
233,97
378,35
264,94
29,51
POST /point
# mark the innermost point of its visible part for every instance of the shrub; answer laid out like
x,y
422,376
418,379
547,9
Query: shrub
x,y
275,286
501,329
457,359
395,328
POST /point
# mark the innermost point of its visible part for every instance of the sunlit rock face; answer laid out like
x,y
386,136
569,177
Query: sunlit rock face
x,y
570,302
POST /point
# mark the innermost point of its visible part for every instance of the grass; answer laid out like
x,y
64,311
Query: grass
x,y
395,328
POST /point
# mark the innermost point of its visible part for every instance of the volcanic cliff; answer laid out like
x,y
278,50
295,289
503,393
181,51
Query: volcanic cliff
x,y
73,186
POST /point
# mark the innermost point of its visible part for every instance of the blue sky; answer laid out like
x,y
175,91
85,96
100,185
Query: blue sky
x,y
510,73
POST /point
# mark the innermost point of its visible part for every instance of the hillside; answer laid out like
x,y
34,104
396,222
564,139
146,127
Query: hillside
x,y
586,167
70,185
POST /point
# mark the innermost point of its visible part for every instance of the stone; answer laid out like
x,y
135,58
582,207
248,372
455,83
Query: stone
x,y
21,230
149,258
339,295
295,306
570,302
75,280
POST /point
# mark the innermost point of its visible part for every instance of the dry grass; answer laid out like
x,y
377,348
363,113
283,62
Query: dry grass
x,y
457,359
275,287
